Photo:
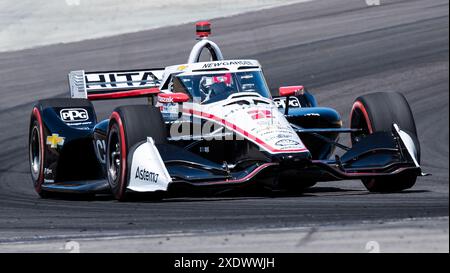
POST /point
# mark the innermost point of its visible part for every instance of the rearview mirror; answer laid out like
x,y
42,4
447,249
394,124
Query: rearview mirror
x,y
286,91
172,97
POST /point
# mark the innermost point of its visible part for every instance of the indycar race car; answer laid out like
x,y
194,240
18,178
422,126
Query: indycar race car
x,y
214,125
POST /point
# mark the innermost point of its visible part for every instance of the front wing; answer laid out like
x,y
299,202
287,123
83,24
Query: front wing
x,y
162,167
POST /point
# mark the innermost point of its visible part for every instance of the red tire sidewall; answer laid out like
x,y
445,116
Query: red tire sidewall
x,y
360,106
38,183
120,194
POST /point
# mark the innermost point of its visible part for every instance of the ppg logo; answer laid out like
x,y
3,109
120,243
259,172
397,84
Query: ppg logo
x,y
74,115
293,102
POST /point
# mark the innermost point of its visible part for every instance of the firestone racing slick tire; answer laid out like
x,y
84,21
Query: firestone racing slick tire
x,y
128,126
377,112
36,153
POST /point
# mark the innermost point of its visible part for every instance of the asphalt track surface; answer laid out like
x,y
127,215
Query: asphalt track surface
x,y
339,50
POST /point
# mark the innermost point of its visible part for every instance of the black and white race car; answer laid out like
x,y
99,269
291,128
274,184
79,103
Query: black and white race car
x,y
214,125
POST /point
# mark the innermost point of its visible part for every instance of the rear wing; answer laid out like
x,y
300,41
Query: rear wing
x,y
115,84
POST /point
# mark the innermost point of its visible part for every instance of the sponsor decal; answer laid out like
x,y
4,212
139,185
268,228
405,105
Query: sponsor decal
x,y
280,136
169,111
100,150
260,114
312,115
182,67
74,115
55,140
227,63
286,142
121,79
165,99
143,174
281,102
148,172
247,77
271,129
81,124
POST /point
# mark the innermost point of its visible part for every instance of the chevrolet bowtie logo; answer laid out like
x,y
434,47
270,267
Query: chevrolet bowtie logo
x,y
54,140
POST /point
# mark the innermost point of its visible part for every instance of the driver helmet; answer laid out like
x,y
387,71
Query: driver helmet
x,y
207,84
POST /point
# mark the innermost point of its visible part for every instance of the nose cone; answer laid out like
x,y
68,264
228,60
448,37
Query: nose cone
x,y
264,125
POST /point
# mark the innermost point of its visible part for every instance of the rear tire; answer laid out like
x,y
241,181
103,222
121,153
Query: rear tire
x,y
36,152
128,126
377,112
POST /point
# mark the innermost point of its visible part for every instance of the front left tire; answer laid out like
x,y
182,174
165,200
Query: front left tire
x,y
128,126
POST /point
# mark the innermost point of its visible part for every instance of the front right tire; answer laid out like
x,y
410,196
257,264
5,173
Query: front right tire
x,y
376,112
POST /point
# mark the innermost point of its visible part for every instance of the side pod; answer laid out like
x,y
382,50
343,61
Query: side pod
x,y
68,152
